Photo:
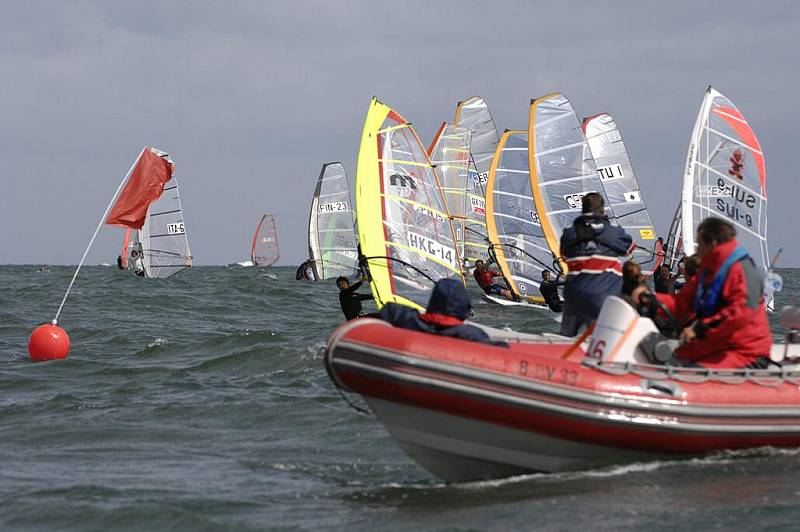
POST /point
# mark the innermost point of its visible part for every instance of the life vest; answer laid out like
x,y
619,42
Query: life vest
x,y
706,301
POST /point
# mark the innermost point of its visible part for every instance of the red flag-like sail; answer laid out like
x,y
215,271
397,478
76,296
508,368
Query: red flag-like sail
x,y
144,186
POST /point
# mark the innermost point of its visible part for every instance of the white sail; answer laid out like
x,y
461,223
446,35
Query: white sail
x,y
514,227
622,187
162,240
473,114
726,177
331,226
449,152
561,165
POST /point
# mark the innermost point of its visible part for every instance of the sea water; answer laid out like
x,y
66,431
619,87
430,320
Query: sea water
x,y
201,403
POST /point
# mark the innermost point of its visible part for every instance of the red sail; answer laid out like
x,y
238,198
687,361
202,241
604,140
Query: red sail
x,y
144,186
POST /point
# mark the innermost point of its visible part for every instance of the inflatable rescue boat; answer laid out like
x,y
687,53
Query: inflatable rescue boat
x,y
465,410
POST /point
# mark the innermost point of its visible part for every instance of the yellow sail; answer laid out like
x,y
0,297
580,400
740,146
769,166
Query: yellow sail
x,y
404,229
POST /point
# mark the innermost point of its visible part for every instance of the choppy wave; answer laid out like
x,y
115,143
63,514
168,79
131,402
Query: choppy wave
x,y
200,402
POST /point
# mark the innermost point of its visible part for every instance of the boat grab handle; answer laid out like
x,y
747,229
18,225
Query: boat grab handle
x,y
662,387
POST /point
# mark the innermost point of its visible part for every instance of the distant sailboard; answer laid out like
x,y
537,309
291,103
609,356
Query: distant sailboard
x,y
265,250
162,241
332,245
142,185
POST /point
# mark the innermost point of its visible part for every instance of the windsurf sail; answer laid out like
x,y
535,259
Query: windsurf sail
x,y
449,152
561,166
726,177
164,244
265,250
673,248
405,234
473,114
331,226
515,230
622,188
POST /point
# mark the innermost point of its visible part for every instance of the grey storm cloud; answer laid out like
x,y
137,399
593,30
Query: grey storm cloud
x,y
251,99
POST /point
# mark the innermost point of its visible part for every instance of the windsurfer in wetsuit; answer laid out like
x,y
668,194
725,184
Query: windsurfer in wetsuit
x,y
349,299
485,279
136,263
305,271
664,280
549,290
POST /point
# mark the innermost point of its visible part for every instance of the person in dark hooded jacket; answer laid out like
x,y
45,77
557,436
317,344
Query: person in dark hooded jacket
x,y
594,250
447,309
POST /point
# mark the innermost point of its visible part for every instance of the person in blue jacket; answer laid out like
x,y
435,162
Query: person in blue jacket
x,y
447,309
594,250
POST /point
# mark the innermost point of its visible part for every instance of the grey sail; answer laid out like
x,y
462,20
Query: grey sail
x,y
332,242
473,114
622,187
162,240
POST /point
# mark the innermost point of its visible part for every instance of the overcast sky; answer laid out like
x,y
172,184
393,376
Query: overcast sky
x,y
251,99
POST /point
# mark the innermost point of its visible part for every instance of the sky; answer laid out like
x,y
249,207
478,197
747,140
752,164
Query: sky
x,y
251,98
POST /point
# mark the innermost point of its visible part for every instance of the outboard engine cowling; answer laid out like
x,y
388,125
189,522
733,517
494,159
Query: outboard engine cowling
x,y
617,333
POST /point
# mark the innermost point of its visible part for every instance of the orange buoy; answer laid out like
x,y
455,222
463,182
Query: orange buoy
x,y
48,342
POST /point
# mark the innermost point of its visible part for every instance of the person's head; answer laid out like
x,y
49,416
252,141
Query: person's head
x,y
449,297
480,265
663,272
691,266
134,253
631,273
545,275
342,282
593,203
710,233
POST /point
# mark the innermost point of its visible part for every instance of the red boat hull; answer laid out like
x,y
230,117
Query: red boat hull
x,y
556,408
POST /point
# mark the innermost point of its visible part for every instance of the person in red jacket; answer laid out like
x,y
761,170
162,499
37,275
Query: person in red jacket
x,y
485,279
723,303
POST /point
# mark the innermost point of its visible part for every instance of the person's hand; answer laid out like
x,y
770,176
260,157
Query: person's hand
x,y
638,291
364,278
688,334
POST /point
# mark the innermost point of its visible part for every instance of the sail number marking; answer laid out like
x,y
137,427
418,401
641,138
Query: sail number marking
x,y
432,247
176,229
335,206
612,171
